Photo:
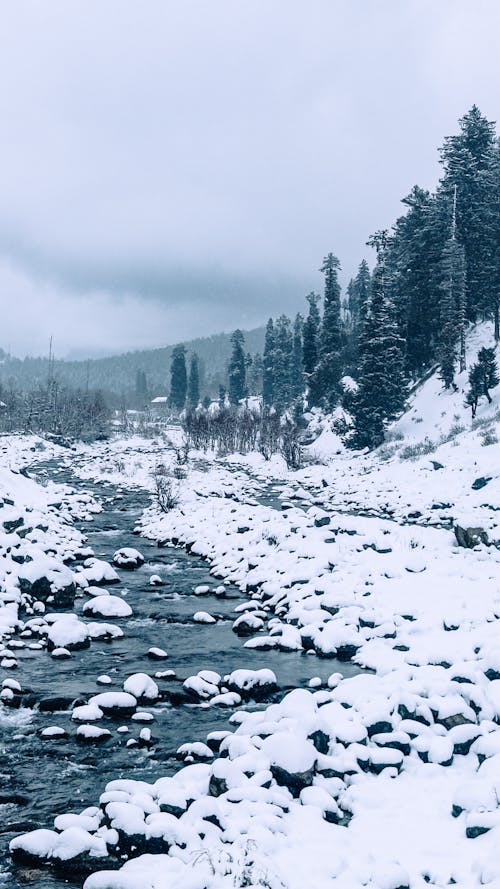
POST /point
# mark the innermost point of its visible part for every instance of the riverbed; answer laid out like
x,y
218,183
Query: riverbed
x,y
44,778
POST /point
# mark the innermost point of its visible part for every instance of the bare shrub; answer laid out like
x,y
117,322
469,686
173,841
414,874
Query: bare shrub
x,y
166,489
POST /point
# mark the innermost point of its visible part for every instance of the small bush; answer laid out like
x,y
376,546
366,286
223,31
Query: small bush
x,y
166,489
488,437
419,449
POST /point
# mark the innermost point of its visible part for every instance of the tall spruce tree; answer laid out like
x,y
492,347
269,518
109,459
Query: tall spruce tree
x,y
268,365
452,303
297,376
329,368
310,349
141,389
469,162
193,389
254,375
178,378
382,386
282,363
237,369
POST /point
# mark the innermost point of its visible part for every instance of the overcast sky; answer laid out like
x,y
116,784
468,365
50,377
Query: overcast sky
x,y
171,169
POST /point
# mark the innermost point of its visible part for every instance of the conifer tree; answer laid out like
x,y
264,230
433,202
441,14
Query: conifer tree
x,y
237,369
254,375
483,376
329,369
178,378
382,386
282,363
452,304
470,165
193,390
268,365
141,388
297,377
310,349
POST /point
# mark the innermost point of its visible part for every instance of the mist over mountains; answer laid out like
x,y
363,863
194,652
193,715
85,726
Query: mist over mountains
x,y
115,375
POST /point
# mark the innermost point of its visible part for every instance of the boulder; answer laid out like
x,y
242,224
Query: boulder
x,y
470,537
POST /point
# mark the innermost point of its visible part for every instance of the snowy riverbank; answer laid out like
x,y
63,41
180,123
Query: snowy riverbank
x,y
385,779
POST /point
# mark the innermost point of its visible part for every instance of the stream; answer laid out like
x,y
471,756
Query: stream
x,y
50,777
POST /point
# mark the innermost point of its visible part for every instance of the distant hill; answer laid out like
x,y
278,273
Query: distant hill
x,y
116,374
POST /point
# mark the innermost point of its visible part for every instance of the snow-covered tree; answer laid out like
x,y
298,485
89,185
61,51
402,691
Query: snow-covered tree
x,y
310,348
382,385
178,378
329,368
237,368
193,389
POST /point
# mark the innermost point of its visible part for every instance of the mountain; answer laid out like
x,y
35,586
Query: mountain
x,y
116,374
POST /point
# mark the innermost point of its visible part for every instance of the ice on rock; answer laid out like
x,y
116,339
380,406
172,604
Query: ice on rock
x,y
104,679
128,558
107,606
92,734
252,683
53,732
111,702
142,687
203,617
60,653
87,713
68,632
97,572
155,580
156,654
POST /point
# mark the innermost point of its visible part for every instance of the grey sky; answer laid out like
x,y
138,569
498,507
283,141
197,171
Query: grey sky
x,y
171,169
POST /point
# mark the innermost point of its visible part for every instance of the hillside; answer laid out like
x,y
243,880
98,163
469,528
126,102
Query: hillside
x,y
116,373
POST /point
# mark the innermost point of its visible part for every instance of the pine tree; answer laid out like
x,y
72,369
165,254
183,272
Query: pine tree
x,y
297,377
382,386
452,304
282,364
141,389
358,295
237,369
310,349
193,389
469,160
483,376
329,368
178,378
268,365
255,375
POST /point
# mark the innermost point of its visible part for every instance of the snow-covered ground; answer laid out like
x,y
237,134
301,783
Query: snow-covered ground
x,y
387,779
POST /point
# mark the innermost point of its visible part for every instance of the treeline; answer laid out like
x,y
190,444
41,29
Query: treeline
x,y
436,272
116,376
55,410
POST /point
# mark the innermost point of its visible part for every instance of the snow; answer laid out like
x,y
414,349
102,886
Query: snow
x,y
140,685
383,779
107,606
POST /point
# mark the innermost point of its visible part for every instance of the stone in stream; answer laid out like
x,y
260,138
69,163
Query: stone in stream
x,y
128,558
53,733
247,624
107,606
156,654
115,703
142,687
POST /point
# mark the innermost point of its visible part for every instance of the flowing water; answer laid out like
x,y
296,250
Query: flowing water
x,y
46,778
